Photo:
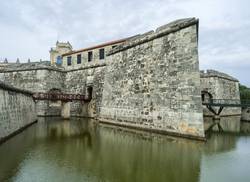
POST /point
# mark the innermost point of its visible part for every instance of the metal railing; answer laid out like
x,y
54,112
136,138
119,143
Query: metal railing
x,y
227,102
60,96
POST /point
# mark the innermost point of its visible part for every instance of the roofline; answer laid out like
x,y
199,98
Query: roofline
x,y
96,46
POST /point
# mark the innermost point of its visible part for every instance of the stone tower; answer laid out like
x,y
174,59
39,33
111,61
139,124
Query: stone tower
x,y
56,52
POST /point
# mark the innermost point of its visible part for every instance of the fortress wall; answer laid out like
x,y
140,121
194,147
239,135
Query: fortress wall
x,y
221,86
17,110
36,80
245,114
77,81
152,82
39,80
43,79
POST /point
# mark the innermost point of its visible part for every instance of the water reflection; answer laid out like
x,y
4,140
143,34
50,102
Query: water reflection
x,y
245,127
226,123
83,150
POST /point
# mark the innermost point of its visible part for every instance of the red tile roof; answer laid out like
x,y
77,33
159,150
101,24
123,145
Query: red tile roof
x,y
96,47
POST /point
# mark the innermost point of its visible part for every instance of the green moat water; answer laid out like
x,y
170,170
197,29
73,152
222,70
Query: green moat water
x,y
83,150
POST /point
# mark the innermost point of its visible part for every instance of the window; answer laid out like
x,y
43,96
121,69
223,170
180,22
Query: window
x,y
101,53
90,56
59,60
79,59
114,46
69,60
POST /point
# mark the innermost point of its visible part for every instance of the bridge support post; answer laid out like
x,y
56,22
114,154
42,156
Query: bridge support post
x,y
65,112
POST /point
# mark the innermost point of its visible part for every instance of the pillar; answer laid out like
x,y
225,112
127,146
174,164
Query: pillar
x,y
65,113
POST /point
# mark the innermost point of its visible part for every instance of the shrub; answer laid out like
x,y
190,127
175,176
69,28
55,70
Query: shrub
x,y
244,92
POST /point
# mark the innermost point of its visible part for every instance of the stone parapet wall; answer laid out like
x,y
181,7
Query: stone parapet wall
x,y
17,110
153,81
221,86
40,77
214,73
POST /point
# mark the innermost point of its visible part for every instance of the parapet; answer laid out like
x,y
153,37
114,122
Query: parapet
x,y
159,32
214,73
5,86
29,66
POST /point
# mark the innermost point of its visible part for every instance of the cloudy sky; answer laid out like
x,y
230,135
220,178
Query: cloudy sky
x,y
28,28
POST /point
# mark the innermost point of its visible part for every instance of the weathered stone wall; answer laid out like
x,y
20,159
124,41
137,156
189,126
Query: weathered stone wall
x,y
78,81
245,114
221,86
35,77
148,81
42,78
17,110
153,81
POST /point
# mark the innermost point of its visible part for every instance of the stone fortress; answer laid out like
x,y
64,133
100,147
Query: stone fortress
x,y
150,81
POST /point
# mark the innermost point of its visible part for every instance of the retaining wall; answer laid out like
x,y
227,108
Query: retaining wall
x,y
17,110
153,82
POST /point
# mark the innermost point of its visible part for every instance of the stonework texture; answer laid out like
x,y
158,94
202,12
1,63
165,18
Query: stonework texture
x,y
35,79
150,81
17,109
43,78
153,81
78,81
245,114
221,86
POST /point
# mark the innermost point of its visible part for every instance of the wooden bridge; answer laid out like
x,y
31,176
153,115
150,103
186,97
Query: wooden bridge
x,y
56,95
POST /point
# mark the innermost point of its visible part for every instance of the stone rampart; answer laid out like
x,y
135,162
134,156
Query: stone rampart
x,y
41,77
17,110
153,82
221,86
35,77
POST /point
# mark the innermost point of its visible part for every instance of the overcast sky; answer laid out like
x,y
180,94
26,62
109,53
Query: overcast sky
x,y
28,28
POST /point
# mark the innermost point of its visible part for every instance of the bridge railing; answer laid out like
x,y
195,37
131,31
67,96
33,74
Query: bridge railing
x,y
227,102
60,96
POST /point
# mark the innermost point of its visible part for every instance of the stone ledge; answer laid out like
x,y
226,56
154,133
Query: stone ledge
x,y
7,87
145,128
151,35
4,139
45,65
50,68
214,73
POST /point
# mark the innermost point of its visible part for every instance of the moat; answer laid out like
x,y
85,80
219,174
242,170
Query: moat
x,y
84,150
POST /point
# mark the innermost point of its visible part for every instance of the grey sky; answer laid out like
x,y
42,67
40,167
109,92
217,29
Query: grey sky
x,y
28,28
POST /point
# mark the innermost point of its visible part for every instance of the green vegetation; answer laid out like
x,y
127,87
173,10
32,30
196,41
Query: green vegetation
x,y
244,92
